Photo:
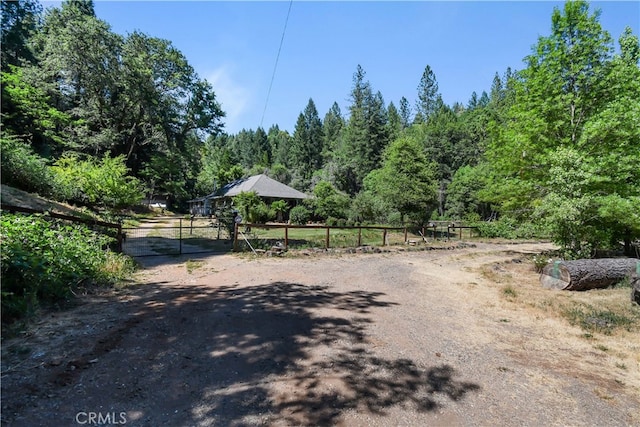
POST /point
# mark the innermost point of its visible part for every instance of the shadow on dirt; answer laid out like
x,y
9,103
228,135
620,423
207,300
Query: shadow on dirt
x,y
232,355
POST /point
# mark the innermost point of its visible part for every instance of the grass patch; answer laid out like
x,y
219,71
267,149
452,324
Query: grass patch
x,y
509,292
594,319
193,264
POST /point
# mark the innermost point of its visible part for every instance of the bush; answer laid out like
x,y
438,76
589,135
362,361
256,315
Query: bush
x,y
262,213
299,215
103,183
22,168
508,228
331,221
43,261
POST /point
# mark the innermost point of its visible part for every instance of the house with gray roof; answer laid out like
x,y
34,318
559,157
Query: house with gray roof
x,y
266,188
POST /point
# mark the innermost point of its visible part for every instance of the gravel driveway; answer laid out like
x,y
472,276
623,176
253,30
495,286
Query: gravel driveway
x,y
402,339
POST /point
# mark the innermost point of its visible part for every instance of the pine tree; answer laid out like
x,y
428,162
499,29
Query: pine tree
x,y
427,103
405,112
306,145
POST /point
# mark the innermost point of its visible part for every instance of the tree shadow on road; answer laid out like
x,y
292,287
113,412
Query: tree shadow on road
x,y
231,355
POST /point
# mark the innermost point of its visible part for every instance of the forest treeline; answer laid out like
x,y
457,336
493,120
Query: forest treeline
x,y
93,117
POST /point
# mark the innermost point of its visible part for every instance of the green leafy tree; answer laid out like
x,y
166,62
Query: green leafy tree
x,y
328,202
565,152
27,112
463,194
368,207
219,166
406,181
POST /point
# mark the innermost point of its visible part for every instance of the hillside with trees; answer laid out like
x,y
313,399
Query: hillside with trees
x,y
96,118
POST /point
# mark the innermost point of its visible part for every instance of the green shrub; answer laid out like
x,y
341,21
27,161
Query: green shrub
x,y
22,168
508,228
103,183
262,213
43,261
299,215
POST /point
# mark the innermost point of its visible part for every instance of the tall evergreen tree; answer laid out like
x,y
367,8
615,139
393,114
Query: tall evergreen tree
x,y
405,112
428,94
20,20
366,135
279,143
394,122
333,127
306,145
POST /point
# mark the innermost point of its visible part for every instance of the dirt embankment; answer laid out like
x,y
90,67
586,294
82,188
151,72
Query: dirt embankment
x,y
420,338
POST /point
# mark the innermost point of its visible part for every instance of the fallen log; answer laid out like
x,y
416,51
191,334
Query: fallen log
x,y
635,285
585,274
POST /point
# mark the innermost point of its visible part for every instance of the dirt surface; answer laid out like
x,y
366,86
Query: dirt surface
x,y
403,339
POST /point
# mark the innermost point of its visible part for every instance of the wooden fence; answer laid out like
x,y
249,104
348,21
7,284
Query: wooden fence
x,y
435,230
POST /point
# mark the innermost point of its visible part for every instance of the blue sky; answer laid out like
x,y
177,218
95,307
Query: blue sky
x,y
234,46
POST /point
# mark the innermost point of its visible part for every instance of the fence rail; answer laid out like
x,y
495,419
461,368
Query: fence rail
x,y
343,236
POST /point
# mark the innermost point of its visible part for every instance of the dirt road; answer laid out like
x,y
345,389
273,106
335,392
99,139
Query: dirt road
x,y
414,338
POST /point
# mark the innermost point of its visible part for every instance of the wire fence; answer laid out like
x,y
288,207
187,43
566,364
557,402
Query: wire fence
x,y
176,236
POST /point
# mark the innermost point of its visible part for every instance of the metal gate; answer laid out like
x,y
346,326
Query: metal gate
x,y
176,236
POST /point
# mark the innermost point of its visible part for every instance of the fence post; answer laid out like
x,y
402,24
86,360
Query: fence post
x,y
180,236
119,237
384,237
235,236
326,243
286,237
405,235
359,236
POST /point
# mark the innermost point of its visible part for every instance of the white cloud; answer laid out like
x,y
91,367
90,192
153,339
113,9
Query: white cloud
x,y
233,97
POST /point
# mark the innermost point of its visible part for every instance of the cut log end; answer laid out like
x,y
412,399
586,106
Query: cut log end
x,y
585,274
635,285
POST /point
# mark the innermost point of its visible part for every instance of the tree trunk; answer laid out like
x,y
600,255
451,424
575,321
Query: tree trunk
x,y
585,274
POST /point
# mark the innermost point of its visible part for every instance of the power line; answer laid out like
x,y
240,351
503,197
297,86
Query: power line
x,y
284,30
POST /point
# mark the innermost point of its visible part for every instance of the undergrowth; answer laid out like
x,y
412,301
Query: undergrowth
x,y
45,261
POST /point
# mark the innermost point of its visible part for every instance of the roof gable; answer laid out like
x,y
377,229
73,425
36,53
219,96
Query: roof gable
x,y
262,185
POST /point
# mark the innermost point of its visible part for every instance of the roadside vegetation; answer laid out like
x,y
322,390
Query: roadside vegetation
x,y
46,262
